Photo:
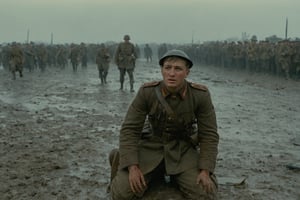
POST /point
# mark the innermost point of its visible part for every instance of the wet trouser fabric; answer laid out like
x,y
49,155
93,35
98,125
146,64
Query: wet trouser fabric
x,y
186,181
122,77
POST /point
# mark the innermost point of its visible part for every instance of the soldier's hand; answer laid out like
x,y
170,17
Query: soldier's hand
x,y
204,179
136,179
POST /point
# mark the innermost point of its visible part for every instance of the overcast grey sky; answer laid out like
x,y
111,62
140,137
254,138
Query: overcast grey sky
x,y
171,21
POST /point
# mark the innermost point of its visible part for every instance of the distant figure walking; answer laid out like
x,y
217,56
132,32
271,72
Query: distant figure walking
x,y
125,57
102,61
74,57
16,60
148,53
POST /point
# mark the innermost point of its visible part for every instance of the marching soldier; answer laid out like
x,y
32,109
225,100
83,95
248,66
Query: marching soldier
x,y
148,53
16,60
83,55
30,57
125,57
284,59
102,61
74,57
42,57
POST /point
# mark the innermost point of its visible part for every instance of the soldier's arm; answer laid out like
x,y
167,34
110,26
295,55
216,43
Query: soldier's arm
x,y
131,130
207,132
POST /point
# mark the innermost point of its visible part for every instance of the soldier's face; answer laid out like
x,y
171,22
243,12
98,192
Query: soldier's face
x,y
174,71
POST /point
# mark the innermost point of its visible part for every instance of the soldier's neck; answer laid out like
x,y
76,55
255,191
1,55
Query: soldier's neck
x,y
173,90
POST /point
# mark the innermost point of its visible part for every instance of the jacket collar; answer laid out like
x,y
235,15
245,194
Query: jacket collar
x,y
181,92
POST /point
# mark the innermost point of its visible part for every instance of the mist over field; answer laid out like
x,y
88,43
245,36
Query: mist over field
x,y
176,21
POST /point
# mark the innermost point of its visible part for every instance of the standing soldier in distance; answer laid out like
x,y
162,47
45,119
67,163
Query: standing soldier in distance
x,y
61,56
16,60
137,51
285,54
29,56
125,57
74,56
148,53
102,61
83,55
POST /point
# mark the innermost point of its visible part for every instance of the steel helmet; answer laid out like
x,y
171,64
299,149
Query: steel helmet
x,y
126,37
176,53
254,38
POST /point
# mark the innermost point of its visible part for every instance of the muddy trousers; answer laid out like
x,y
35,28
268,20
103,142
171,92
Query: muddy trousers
x,y
122,77
186,181
285,67
74,66
102,75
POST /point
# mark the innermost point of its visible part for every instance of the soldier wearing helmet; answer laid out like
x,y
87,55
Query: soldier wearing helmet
x,y
165,126
102,61
126,37
148,53
16,60
125,57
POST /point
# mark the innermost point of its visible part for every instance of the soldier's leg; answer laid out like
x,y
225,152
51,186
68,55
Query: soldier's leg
x,y
20,69
21,73
14,75
286,70
187,184
122,74
73,66
120,187
12,68
287,74
131,79
278,68
76,66
114,158
101,75
298,70
105,75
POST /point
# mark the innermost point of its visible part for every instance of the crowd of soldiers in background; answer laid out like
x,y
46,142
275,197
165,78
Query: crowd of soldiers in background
x,y
280,58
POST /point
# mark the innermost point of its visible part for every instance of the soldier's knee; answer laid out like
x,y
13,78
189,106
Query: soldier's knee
x,y
191,190
120,189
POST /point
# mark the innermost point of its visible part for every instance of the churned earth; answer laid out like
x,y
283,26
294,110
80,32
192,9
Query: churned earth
x,y
57,128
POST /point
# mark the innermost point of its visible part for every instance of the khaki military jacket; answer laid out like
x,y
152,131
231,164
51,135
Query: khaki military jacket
x,y
192,102
16,55
125,55
103,57
75,54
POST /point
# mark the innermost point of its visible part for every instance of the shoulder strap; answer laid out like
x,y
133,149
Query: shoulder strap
x,y
164,102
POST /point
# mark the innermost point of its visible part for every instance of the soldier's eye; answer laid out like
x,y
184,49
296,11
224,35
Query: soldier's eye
x,y
178,69
167,67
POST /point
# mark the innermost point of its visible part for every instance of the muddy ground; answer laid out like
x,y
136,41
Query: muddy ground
x,y
57,128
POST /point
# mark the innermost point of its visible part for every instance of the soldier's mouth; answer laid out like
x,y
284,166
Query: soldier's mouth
x,y
171,80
